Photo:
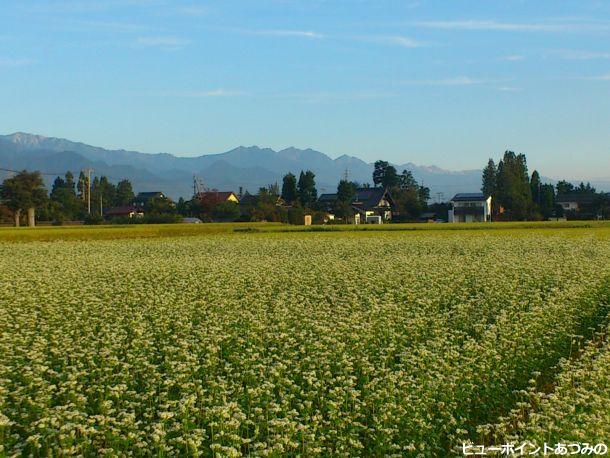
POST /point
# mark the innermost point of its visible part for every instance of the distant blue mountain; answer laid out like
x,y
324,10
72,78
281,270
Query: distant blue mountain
x,y
247,167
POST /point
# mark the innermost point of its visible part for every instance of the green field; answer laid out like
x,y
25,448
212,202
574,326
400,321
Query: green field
x,y
268,340
113,232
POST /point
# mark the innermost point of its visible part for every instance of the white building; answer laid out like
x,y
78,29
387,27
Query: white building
x,y
470,208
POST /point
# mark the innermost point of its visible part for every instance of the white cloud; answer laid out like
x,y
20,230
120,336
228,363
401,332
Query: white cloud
x,y
89,6
570,54
605,77
281,33
542,26
455,81
509,89
110,25
201,94
11,63
165,42
402,41
319,97
512,58
192,10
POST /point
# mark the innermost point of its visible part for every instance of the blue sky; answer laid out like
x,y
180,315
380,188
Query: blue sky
x,y
449,83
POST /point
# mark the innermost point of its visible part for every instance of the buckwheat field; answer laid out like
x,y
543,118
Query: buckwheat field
x,y
304,344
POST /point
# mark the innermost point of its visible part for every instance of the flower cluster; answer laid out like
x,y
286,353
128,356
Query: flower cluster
x,y
310,344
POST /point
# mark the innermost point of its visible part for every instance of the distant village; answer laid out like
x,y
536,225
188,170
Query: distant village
x,y
508,193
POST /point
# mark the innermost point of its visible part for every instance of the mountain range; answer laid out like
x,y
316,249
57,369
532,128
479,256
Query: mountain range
x,y
246,167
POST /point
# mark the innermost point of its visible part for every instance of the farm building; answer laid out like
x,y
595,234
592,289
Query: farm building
x,y
470,208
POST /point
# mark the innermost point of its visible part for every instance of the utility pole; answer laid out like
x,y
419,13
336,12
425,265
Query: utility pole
x,y
88,172
346,174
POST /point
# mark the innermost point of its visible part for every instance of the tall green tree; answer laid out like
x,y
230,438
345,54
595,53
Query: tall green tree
x,y
24,192
108,192
306,187
124,193
385,175
536,187
81,186
64,202
490,174
346,191
564,187
69,179
547,200
289,188
406,180
514,193
96,195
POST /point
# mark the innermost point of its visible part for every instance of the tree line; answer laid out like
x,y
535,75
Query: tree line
x,y
518,196
68,200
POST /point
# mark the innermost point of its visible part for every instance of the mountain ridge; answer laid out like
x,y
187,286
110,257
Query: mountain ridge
x,y
248,167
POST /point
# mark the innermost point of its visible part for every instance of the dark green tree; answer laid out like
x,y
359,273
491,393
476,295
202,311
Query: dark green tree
x,y
536,187
124,193
385,175
306,187
108,192
547,200
158,206
346,191
289,188
564,187
406,180
513,187
24,192
64,204
81,186
490,173
226,211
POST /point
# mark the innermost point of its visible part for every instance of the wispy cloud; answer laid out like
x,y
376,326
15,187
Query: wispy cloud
x,y
540,26
111,26
192,10
605,77
200,94
89,6
571,54
280,33
455,81
399,40
164,42
330,96
512,58
509,89
12,63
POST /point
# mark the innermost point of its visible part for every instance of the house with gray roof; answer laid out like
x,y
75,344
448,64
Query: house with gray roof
x,y
369,204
